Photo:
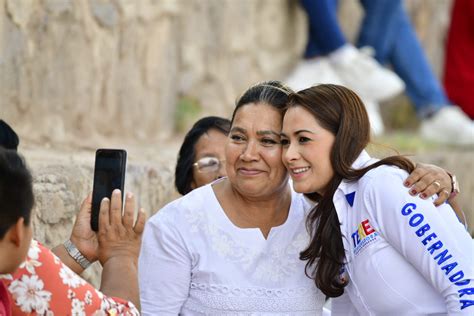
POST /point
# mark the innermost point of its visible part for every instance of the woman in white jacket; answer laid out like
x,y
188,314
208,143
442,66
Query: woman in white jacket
x,y
232,247
375,247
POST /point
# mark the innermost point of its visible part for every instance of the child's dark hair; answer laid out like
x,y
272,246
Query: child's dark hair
x,y
16,190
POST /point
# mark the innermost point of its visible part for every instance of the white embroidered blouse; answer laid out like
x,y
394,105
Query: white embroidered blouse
x,y
195,261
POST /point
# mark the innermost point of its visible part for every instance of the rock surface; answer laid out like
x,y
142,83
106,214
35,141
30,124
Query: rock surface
x,y
65,66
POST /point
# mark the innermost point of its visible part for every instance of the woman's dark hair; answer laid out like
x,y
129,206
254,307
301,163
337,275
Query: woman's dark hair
x,y
16,190
340,111
273,93
187,152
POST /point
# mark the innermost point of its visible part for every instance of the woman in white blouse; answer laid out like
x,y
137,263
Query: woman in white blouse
x,y
232,247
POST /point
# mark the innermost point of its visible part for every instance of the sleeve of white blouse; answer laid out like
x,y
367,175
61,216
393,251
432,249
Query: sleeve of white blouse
x,y
342,306
164,268
430,238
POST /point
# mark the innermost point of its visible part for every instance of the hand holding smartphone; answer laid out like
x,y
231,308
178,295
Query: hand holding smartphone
x,y
109,174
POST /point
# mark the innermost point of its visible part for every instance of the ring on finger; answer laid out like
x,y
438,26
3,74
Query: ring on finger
x,y
437,184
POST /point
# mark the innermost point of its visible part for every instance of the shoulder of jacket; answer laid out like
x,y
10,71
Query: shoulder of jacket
x,y
383,177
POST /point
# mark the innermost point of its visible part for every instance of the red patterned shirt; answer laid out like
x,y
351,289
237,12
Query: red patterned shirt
x,y
43,285
4,301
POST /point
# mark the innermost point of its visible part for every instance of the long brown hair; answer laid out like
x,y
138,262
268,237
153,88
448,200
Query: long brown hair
x,y
340,111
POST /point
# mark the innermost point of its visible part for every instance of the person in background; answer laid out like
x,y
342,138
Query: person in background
x,y
385,251
386,28
201,156
330,58
388,34
458,65
35,280
346,63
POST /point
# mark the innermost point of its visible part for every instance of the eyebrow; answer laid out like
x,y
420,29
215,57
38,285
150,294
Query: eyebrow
x,y
238,129
298,132
260,133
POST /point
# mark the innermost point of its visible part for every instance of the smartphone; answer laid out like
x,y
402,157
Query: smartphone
x,y
109,174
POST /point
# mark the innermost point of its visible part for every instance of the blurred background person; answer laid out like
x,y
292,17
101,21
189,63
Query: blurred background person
x,y
387,29
387,34
459,65
330,58
201,157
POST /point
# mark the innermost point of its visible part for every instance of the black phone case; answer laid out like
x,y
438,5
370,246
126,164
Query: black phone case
x,y
122,156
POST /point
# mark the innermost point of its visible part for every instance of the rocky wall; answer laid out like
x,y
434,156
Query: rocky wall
x,y
66,66
70,67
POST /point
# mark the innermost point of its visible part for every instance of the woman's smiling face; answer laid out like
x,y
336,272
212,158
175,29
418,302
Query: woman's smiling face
x,y
306,151
253,153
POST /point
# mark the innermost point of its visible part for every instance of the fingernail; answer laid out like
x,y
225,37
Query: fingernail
x,y
105,200
423,195
116,192
129,195
406,183
413,192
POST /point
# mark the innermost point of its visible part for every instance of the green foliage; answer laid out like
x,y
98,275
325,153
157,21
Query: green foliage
x,y
188,109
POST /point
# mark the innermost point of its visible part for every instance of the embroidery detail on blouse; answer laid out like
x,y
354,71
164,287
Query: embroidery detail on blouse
x,y
228,300
274,265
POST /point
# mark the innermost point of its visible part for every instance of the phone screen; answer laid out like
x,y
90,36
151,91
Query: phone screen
x,y
109,174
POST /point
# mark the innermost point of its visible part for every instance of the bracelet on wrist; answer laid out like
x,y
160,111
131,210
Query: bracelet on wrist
x,y
454,185
76,254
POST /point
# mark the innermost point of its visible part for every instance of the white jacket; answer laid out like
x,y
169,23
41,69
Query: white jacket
x,y
404,256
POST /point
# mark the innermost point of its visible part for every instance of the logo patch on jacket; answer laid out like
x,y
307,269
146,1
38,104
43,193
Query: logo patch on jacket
x,y
363,236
